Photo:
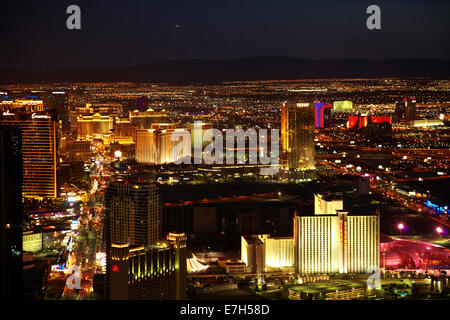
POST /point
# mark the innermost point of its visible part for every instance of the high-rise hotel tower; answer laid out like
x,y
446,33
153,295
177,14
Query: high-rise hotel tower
x,y
297,136
38,151
132,213
138,264
334,241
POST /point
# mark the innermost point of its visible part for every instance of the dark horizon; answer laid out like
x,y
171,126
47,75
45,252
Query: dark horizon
x,y
245,69
212,59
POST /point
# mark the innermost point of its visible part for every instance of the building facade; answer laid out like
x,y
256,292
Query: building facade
x,y
262,253
279,252
38,152
138,264
132,213
253,254
155,272
297,136
27,106
157,146
336,243
94,126
327,203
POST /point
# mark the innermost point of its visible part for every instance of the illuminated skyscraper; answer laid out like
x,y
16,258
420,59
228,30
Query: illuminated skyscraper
x,y
336,241
330,241
253,253
138,265
10,212
156,145
132,213
297,136
39,153
153,272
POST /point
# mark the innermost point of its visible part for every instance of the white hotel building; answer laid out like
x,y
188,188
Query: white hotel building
x,y
329,241
335,241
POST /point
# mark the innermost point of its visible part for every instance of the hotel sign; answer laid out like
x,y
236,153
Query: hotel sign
x,y
39,116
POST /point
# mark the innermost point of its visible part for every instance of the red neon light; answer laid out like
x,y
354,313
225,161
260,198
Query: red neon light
x,y
115,268
380,119
352,121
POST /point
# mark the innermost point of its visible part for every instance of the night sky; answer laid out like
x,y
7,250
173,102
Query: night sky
x,y
33,34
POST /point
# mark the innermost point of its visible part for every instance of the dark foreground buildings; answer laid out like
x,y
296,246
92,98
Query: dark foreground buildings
x,y
11,212
229,220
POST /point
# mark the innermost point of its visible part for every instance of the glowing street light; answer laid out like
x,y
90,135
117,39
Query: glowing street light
x,y
439,230
401,227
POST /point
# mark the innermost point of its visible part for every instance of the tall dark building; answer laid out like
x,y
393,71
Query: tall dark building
x,y
11,212
405,110
142,103
132,213
138,265
57,101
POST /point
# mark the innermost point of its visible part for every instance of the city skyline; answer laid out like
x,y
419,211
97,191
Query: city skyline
x,y
211,158
354,187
